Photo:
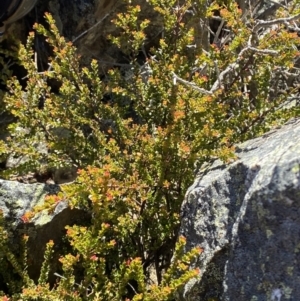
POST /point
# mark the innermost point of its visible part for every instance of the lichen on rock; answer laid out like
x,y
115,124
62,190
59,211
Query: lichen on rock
x,y
246,217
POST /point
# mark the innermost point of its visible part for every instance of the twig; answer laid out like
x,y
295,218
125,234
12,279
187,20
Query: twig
x,y
88,289
85,32
217,35
218,72
262,23
190,84
236,64
81,35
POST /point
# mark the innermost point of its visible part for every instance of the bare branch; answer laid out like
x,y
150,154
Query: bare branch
x,y
218,72
217,35
236,64
262,23
229,69
190,84
221,75
263,51
85,32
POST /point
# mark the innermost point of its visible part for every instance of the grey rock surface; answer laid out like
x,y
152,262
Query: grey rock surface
x,y
15,200
246,217
18,198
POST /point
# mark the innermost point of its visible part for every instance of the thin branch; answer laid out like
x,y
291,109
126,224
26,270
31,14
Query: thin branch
x,y
85,32
132,288
218,72
81,35
264,13
217,35
293,28
263,51
229,69
190,84
236,64
262,23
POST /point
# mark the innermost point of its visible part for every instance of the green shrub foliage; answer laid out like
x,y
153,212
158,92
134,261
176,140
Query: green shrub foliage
x,y
195,96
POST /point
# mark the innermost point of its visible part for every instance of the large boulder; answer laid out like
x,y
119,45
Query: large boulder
x,y
246,217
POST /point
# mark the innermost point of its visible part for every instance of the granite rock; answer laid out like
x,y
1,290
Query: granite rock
x,y
15,200
246,217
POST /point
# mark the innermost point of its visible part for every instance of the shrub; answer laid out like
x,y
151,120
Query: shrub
x,y
136,153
